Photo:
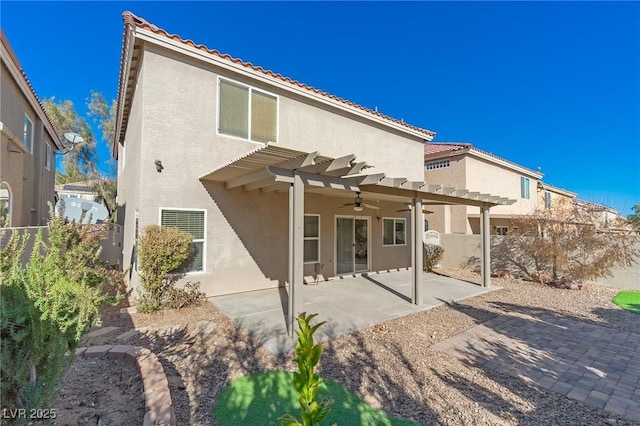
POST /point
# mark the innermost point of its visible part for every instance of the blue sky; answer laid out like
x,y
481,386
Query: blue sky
x,y
554,85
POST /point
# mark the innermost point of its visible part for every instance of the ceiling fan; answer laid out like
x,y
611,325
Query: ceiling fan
x,y
358,205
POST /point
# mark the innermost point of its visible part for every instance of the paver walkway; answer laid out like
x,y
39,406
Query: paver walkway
x,y
596,365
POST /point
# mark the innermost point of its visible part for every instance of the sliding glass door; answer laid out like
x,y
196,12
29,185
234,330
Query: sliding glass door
x,y
352,245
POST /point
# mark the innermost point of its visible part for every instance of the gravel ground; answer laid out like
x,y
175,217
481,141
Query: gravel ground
x,y
389,365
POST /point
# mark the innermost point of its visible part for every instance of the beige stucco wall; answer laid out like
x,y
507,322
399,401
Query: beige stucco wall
x,y
31,184
478,175
173,119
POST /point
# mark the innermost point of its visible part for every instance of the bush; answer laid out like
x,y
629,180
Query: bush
x,y
178,298
46,306
432,256
161,251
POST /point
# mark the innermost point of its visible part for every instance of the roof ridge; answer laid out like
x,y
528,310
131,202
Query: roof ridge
x,y
132,19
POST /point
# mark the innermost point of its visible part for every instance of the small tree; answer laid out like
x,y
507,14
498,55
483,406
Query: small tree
x,y
161,250
573,244
46,306
306,380
634,218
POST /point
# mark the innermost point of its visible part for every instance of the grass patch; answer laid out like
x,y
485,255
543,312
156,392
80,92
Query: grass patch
x,y
628,300
259,399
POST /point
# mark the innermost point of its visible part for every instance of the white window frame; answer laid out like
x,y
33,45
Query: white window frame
x,y
9,202
195,240
308,262
395,219
525,185
28,145
47,156
251,89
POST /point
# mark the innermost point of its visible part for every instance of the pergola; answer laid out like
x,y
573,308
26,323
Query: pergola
x,y
273,167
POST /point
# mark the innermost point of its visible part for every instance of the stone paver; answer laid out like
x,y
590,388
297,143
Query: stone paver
x,y
592,364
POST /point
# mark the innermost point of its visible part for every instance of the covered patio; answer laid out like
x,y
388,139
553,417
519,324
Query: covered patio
x,y
347,304
301,174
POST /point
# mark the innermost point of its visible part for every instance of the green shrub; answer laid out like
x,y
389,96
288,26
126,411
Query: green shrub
x,y
432,256
46,306
305,380
161,251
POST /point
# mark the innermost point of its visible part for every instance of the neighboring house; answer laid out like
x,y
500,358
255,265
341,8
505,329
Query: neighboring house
x,y
276,180
602,214
553,198
29,143
85,190
462,165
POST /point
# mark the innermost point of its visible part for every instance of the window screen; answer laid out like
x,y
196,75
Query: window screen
x,y
191,221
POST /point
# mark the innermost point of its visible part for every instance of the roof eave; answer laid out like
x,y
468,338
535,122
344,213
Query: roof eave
x,y
134,32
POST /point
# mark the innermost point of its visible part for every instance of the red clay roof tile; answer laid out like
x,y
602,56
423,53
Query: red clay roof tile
x,y
131,19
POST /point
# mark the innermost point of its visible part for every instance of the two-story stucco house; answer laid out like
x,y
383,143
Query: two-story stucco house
x,y
27,150
553,198
276,180
463,165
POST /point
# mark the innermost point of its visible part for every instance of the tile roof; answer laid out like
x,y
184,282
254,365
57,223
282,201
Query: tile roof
x,y
433,148
14,58
138,22
437,149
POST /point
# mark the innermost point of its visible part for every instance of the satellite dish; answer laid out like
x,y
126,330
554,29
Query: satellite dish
x,y
73,138
81,211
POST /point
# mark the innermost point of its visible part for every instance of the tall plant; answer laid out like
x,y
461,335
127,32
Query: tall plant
x,y
46,306
161,250
306,380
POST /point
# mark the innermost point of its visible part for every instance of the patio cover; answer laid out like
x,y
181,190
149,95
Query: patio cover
x,y
273,167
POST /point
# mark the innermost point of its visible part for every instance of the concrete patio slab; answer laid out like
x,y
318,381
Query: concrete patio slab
x,y
348,304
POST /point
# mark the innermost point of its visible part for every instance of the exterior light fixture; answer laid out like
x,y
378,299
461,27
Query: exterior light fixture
x,y
159,166
357,205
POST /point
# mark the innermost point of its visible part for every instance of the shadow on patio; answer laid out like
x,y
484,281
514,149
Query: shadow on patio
x,y
347,304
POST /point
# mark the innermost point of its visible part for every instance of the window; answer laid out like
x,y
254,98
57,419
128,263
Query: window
x,y
437,164
191,221
393,232
5,205
311,238
27,136
524,188
246,112
47,156
501,230
547,200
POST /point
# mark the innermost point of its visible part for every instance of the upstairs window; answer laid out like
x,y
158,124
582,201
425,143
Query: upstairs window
x,y
524,188
547,200
47,156
432,165
247,113
27,135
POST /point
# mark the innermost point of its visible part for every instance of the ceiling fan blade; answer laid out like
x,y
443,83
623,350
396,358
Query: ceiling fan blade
x,y
423,211
370,206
